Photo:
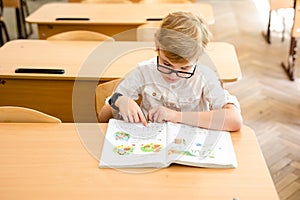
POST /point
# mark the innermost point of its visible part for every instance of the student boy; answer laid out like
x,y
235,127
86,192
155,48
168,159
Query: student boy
x,y
174,86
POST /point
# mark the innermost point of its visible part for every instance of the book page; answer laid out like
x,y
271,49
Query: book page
x,y
200,147
129,145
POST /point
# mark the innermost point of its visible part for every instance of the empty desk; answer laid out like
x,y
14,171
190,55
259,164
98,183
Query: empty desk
x,y
117,20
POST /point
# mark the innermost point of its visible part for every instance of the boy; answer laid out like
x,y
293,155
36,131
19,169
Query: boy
x,y
173,86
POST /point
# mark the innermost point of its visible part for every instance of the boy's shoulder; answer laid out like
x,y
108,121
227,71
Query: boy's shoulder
x,y
148,63
207,72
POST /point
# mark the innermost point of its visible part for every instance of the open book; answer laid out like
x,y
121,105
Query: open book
x,y
132,145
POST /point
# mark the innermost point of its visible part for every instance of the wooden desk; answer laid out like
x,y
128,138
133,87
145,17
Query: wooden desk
x,y
52,161
291,61
117,20
84,68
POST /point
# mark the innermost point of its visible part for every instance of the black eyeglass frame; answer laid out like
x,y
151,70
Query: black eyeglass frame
x,y
174,71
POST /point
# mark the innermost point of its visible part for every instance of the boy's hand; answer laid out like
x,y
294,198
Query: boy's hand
x,y
130,110
162,114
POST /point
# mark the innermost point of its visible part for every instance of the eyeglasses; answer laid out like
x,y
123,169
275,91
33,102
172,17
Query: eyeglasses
x,y
167,70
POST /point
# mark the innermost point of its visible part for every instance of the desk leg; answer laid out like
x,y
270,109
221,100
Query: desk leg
x,y
290,68
20,24
267,35
25,13
1,36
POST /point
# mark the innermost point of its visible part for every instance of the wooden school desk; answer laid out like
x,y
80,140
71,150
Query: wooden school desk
x,y
290,67
117,20
53,93
60,161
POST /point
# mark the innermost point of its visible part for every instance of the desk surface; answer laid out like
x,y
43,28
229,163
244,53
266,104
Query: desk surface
x,y
83,59
49,161
113,13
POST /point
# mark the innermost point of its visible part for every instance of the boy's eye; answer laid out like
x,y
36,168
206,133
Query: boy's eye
x,y
167,64
185,68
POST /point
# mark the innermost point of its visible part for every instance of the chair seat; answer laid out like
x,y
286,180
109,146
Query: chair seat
x,y
28,115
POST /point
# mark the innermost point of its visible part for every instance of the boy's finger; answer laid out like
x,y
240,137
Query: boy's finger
x,y
145,123
150,115
143,119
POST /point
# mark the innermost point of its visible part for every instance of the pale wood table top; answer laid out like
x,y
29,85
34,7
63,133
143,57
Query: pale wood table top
x,y
113,13
51,161
91,60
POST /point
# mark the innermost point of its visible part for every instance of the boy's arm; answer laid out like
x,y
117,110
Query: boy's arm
x,y
228,118
105,114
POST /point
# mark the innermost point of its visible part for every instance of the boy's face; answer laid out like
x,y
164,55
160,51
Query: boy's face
x,y
164,64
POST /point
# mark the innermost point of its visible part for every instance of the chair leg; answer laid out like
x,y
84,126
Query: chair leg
x,y
26,11
20,24
21,13
1,35
3,29
283,29
6,32
267,35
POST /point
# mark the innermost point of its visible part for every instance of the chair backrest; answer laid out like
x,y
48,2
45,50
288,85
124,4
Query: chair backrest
x,y
147,31
80,35
106,1
25,115
103,91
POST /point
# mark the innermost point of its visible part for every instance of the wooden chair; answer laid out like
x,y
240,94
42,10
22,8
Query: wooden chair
x,y
25,115
103,91
80,35
3,29
275,5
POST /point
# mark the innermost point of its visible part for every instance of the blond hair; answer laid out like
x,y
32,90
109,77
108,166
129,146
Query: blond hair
x,y
182,36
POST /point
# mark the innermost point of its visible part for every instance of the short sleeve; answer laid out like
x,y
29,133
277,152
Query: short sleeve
x,y
131,85
214,93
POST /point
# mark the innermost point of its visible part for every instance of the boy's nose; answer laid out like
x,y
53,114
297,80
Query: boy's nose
x,y
173,75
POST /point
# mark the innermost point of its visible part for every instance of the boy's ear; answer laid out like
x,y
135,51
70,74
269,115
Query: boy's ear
x,y
157,50
156,45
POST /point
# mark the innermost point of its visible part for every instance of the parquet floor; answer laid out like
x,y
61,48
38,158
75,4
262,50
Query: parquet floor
x,y
270,102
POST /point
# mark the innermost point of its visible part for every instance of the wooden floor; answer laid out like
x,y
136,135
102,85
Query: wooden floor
x,y
270,102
